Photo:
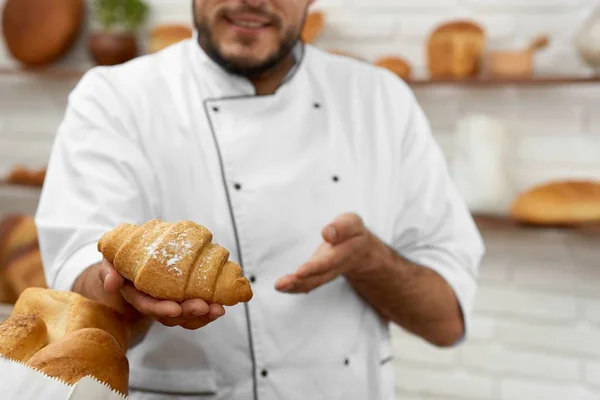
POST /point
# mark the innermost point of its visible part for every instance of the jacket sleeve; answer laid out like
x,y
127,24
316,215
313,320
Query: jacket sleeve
x,y
434,228
97,178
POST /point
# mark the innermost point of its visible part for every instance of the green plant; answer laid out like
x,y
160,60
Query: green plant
x,y
128,14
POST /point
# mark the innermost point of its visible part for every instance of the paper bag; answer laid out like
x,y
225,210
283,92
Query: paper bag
x,y
20,382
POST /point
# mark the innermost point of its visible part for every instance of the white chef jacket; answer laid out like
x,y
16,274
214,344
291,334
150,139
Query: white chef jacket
x,y
173,136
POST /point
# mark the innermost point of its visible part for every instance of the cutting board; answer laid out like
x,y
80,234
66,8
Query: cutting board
x,y
39,32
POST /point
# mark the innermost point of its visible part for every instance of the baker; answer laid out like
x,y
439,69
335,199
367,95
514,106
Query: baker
x,y
318,172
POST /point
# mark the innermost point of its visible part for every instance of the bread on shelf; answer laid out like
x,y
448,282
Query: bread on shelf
x,y
20,259
17,233
21,175
395,64
455,50
564,202
165,35
175,261
84,352
313,26
25,270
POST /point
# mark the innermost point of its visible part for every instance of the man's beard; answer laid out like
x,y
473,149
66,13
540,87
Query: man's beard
x,y
246,69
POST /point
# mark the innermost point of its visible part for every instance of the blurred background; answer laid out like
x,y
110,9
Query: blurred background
x,y
512,92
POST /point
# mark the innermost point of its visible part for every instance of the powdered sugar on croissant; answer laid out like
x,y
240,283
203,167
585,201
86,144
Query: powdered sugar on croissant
x,y
175,261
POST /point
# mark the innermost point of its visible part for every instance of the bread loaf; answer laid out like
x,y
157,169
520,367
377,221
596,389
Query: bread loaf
x,y
313,26
65,312
22,336
17,234
162,36
7,296
455,50
21,175
396,65
25,270
175,261
569,202
84,352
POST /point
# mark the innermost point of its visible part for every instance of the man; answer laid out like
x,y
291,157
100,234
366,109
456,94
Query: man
x,y
317,172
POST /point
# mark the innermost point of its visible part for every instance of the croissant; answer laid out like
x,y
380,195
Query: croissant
x,y
175,261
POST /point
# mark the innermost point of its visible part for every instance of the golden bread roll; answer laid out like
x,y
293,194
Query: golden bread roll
x,y
313,26
455,50
163,36
65,312
175,261
20,175
25,270
17,234
6,294
85,352
22,336
569,202
396,65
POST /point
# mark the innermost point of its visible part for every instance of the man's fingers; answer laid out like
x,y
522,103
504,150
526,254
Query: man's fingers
x,y
150,306
194,308
112,280
344,227
215,311
196,323
330,259
310,284
284,282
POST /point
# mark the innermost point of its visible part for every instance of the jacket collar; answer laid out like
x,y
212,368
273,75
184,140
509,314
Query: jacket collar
x,y
230,85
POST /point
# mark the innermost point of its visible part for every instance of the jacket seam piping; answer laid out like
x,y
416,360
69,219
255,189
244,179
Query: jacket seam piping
x,y
230,206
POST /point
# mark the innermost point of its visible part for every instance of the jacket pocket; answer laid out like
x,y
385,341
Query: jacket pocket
x,y
195,382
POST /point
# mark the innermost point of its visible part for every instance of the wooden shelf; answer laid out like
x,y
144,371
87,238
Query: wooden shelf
x,y
74,73
494,222
53,72
485,82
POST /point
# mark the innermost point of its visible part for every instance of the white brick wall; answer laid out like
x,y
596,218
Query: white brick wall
x,y
536,325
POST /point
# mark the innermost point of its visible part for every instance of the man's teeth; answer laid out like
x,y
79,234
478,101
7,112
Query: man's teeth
x,y
249,24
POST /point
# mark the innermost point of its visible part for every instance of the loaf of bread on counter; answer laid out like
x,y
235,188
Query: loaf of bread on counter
x,y
22,336
64,312
568,202
175,261
88,351
67,336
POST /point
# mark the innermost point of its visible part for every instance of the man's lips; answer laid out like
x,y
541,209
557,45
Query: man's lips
x,y
248,21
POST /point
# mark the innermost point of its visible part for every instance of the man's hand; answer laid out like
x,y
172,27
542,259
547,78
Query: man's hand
x,y
347,246
101,282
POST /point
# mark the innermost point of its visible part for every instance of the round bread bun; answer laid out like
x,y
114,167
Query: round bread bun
x,y
569,202
313,26
397,65
162,36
